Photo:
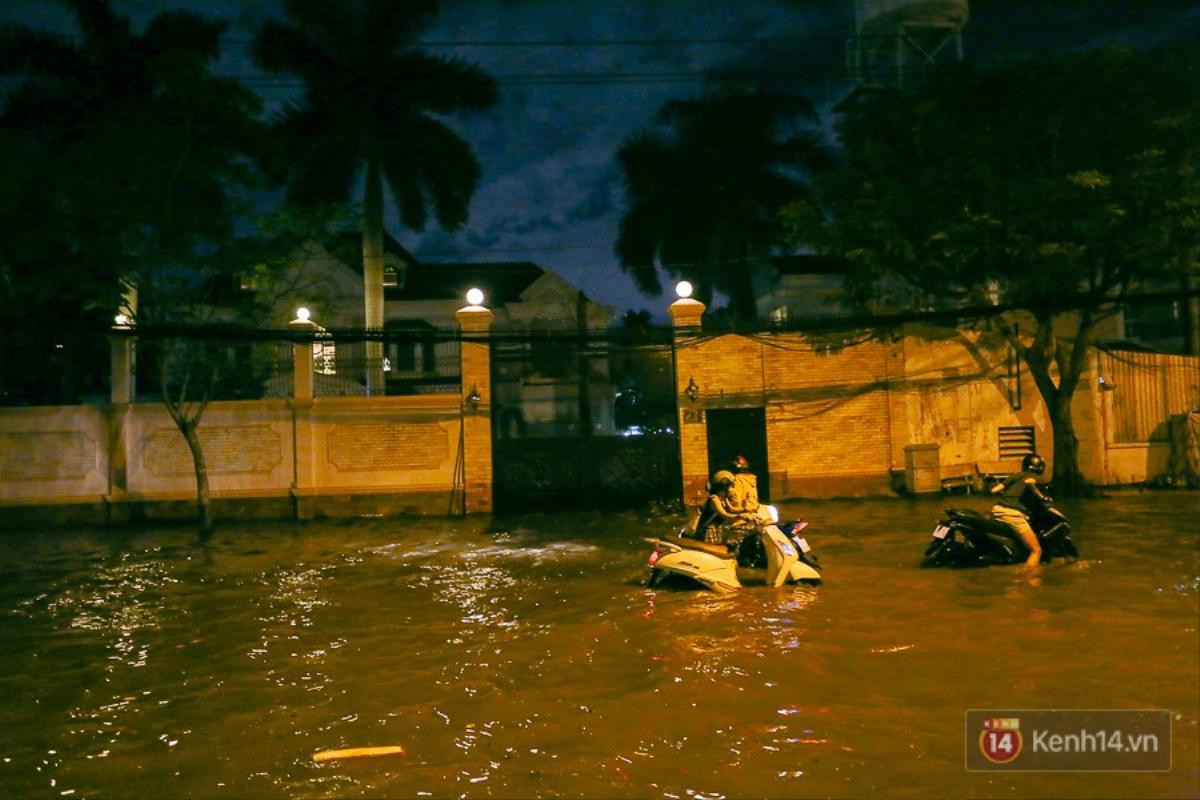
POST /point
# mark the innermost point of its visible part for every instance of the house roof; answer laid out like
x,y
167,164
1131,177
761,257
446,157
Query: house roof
x,y
502,282
809,264
346,247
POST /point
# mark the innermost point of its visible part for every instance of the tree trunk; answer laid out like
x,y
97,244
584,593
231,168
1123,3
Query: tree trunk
x,y
373,274
203,501
1067,479
1191,314
1044,351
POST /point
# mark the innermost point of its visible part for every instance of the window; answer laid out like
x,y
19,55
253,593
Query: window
x,y
324,357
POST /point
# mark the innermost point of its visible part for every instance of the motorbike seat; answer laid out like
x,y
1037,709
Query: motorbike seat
x,y
718,550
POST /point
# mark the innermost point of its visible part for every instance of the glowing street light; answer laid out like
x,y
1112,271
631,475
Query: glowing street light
x,y
683,290
474,297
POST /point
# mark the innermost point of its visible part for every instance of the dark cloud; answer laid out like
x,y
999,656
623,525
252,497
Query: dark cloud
x,y
578,77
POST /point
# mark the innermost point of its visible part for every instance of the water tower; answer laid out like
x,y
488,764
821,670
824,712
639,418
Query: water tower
x,y
894,39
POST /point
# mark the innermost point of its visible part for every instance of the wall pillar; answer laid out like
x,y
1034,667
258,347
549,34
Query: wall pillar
x,y
302,371
686,315
120,361
303,469
121,396
475,322
1091,411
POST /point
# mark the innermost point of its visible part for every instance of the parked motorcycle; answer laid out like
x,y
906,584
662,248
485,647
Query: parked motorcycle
x,y
966,538
774,553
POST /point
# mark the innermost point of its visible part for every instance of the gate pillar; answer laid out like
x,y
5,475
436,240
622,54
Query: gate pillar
x,y
475,322
690,375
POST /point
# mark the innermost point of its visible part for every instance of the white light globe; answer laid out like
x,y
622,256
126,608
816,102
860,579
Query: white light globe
x,y
303,314
475,297
121,319
683,289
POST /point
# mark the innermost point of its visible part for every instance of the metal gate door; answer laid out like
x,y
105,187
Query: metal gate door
x,y
583,419
739,431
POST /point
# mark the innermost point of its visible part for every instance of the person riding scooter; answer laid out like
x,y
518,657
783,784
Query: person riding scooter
x,y
743,494
1019,494
719,522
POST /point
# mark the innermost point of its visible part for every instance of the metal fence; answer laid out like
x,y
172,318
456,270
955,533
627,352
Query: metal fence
x,y
253,367
1147,389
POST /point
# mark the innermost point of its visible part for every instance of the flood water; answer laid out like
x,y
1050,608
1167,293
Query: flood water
x,y
525,657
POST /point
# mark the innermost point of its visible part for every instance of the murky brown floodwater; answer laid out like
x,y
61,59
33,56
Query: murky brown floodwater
x,y
524,657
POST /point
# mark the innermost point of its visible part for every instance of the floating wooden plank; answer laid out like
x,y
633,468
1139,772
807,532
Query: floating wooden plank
x,y
357,752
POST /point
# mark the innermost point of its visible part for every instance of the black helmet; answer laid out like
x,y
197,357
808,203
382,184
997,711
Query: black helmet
x,y
740,464
1033,463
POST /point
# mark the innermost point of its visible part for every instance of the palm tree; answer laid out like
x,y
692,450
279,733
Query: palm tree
x,y
370,109
705,189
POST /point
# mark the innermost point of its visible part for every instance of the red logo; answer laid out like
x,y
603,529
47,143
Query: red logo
x,y
1000,739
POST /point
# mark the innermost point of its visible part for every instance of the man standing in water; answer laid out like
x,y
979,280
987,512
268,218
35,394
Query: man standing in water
x,y
1017,493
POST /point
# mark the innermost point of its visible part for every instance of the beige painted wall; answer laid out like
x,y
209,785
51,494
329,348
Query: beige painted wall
x,y
840,414
54,453
253,449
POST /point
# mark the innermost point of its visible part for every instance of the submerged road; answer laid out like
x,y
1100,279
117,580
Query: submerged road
x,y
525,657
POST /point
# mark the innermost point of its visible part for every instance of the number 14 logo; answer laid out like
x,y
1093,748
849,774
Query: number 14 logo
x,y
1000,739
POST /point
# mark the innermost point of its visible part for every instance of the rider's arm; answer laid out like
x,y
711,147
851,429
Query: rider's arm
x,y
720,509
1032,494
1006,484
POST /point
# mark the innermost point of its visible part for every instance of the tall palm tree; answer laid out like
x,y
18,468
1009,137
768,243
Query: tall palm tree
x,y
706,187
370,109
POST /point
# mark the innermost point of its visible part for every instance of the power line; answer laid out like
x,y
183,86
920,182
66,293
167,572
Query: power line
x,y
242,40
261,81
266,81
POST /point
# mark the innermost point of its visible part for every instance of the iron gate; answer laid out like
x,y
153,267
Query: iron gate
x,y
584,419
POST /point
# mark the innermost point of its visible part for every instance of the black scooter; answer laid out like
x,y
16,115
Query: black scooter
x,y
966,538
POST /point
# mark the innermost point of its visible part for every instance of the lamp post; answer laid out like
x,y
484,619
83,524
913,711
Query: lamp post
x,y
474,322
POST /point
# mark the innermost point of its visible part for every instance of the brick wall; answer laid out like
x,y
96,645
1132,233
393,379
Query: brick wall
x,y
839,414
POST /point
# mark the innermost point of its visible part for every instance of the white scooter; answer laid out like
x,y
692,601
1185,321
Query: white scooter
x,y
775,553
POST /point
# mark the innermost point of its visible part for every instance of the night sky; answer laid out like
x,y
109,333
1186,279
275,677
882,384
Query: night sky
x,y
578,77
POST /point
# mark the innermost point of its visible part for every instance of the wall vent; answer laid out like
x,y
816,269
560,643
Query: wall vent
x,y
1017,441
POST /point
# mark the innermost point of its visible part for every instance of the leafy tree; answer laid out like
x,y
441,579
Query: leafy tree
x,y
705,189
144,157
1053,185
193,319
372,108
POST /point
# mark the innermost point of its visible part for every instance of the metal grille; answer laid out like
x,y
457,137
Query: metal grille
x,y
583,418
406,365
1017,441
1147,388
238,369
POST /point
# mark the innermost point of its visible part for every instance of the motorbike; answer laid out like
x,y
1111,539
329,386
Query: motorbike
x,y
966,538
772,552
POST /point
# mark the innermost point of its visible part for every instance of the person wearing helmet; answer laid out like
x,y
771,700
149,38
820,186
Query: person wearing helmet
x,y
743,494
1017,494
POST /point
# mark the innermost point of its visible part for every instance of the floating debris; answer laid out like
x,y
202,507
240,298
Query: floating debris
x,y
357,752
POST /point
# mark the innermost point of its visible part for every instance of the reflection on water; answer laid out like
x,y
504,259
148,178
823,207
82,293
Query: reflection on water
x,y
526,657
